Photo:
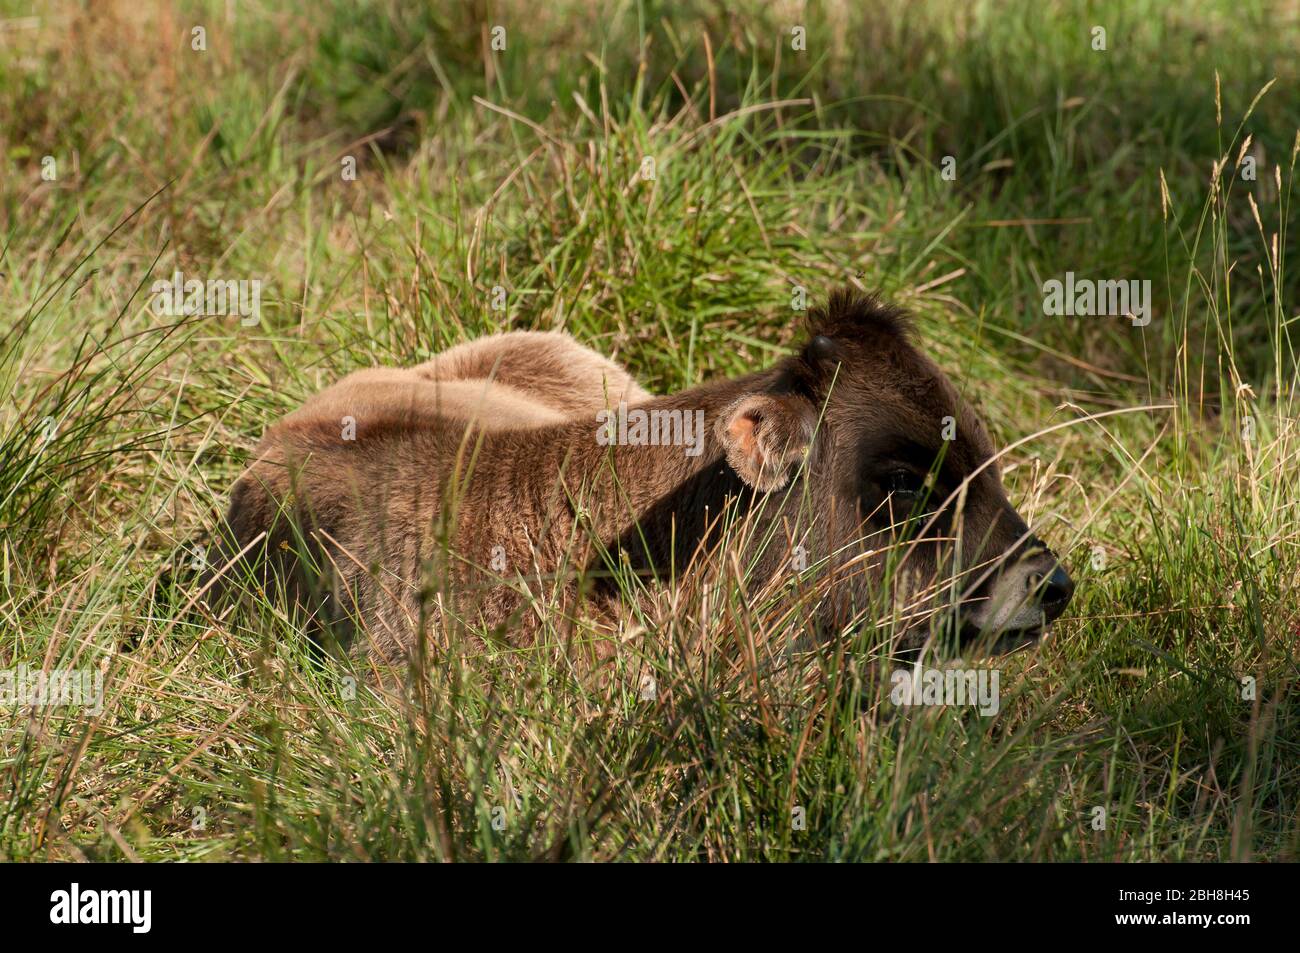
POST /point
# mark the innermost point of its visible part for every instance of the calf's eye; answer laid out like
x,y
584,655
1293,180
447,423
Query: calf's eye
x,y
904,483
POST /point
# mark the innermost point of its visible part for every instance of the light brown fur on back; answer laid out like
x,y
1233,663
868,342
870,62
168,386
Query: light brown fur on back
x,y
329,471
549,366
518,379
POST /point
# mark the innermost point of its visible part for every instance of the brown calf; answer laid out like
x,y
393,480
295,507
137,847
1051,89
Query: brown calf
x,y
530,457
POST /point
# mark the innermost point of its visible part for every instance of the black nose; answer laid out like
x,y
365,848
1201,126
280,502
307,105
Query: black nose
x,y
1054,592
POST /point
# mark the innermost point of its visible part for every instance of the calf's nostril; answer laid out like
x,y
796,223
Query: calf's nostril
x,y
1054,591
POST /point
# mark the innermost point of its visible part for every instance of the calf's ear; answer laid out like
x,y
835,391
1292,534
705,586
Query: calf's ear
x,y
764,436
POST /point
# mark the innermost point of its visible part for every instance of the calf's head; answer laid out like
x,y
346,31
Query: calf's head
x,y
897,466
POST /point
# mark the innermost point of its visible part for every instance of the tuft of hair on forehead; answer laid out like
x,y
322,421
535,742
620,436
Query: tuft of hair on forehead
x,y
852,316
852,327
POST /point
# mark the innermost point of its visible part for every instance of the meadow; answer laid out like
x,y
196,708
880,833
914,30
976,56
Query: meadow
x,y
661,180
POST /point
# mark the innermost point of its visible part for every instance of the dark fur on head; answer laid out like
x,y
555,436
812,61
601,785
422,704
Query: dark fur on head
x,y
852,324
852,315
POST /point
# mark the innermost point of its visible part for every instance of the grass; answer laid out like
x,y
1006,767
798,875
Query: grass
x,y
121,431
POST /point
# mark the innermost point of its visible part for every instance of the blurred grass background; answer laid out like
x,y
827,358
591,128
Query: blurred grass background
x,y
775,168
